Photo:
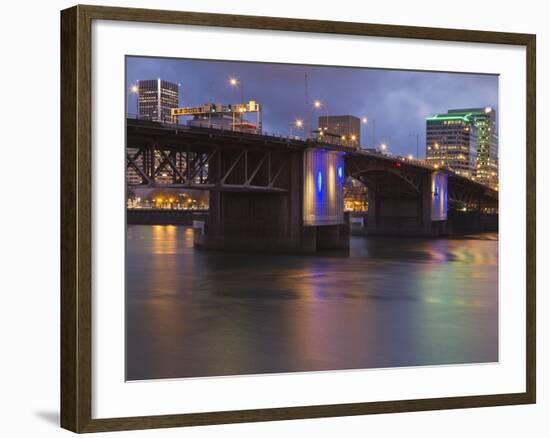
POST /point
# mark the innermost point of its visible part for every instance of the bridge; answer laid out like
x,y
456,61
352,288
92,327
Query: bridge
x,y
285,193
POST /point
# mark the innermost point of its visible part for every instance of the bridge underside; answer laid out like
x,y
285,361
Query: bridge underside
x,y
399,197
247,220
268,221
405,200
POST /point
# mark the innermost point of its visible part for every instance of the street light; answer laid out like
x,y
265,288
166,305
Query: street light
x,y
134,89
298,124
417,137
234,82
384,147
317,104
364,121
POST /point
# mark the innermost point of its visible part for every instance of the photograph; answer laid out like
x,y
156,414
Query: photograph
x,y
296,218
266,219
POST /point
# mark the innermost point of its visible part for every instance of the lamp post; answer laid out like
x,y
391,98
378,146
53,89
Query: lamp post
x,y
417,136
134,89
318,105
236,83
373,133
298,124
364,121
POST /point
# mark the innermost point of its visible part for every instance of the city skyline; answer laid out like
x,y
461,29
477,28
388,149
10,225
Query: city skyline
x,y
397,102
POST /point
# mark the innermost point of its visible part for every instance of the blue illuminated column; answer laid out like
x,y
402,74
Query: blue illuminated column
x,y
323,187
439,196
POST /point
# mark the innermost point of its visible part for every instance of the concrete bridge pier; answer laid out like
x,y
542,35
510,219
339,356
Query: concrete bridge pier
x,y
252,221
333,237
306,217
423,214
262,220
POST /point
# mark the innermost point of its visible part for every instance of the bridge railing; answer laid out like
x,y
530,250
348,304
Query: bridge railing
x,y
224,127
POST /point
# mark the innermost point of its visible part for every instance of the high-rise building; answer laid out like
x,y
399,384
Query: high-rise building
x,y
451,142
156,98
465,140
343,130
484,120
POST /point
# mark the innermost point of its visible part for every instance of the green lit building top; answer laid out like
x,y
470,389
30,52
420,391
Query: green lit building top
x,y
465,140
451,143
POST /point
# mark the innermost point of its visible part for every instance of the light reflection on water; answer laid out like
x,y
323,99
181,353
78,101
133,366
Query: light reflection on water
x,y
391,302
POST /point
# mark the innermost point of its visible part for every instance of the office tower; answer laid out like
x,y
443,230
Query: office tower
x,y
484,120
156,98
344,130
451,142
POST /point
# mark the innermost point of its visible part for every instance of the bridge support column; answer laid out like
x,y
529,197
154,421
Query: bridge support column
x,y
307,217
426,205
242,220
421,215
253,221
372,216
333,237
323,203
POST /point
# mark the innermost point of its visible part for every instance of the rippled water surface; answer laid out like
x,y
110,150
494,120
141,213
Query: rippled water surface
x,y
389,303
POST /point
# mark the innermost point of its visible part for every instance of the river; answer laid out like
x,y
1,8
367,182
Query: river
x,y
389,303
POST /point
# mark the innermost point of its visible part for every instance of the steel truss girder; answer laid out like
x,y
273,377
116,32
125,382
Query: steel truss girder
x,y
209,168
364,170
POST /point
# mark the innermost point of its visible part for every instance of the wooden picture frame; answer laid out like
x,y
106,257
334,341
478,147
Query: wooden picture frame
x,y
76,217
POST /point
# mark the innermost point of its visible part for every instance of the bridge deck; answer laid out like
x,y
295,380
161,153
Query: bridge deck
x,y
203,140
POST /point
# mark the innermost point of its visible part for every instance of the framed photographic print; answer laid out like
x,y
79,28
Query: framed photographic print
x,y
268,218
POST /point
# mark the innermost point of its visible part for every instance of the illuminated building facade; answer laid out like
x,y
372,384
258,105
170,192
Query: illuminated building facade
x,y
227,121
220,116
484,120
343,130
466,141
156,98
451,142
355,195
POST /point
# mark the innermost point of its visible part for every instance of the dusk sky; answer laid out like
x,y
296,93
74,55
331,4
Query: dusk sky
x,y
399,101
